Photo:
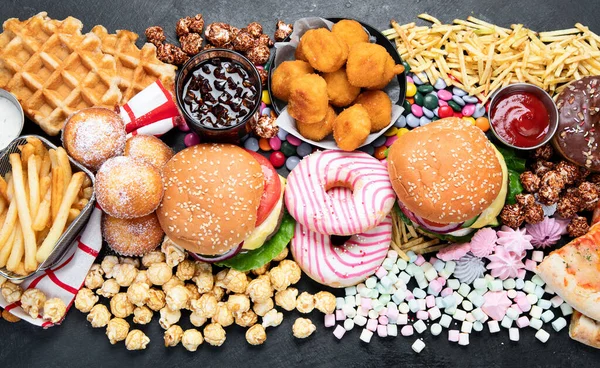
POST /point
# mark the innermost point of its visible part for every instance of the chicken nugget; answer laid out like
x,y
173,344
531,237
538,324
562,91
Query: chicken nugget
x,y
351,127
371,66
324,50
379,107
299,54
308,100
285,73
316,132
341,93
350,31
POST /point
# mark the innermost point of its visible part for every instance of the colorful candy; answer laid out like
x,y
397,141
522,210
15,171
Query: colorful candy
x,y
277,159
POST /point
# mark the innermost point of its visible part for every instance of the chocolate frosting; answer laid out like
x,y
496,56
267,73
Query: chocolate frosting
x,y
578,133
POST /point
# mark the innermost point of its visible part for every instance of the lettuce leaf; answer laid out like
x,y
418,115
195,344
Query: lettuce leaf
x,y
259,257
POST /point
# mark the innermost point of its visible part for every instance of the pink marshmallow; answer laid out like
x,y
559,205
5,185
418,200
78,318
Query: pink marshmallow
x,y
522,322
339,332
329,320
432,259
382,331
530,265
422,315
365,303
435,287
420,260
372,324
441,280
383,320
453,335
430,300
446,292
409,295
524,304
392,313
362,311
521,273
517,308
407,330
381,272
340,315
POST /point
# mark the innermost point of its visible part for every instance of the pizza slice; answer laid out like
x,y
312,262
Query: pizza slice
x,y
573,272
585,330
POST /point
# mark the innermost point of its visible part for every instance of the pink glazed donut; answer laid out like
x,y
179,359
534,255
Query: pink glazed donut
x,y
308,201
344,265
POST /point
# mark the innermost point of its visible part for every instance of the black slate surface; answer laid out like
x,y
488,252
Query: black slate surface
x,y
77,344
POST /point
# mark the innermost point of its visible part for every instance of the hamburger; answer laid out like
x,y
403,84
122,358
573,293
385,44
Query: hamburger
x,y
449,179
221,200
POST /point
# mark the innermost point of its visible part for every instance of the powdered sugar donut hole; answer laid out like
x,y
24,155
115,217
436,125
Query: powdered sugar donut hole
x,y
132,237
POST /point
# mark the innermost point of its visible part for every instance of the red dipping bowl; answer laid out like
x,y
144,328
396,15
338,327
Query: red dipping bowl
x,y
540,95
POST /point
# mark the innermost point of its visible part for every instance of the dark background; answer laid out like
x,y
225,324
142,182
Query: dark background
x,y
77,344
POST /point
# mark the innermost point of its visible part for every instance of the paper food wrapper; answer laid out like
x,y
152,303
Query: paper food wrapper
x,y
286,51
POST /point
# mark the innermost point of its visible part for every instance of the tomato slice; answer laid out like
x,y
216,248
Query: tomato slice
x,y
271,186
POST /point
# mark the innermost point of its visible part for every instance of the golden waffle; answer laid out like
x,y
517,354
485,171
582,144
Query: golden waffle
x,y
137,68
54,70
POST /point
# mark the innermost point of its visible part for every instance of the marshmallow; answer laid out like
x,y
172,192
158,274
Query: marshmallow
x,y
366,335
435,329
542,335
513,334
418,346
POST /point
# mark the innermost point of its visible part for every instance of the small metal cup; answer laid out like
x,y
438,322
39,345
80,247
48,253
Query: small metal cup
x,y
537,92
231,134
10,97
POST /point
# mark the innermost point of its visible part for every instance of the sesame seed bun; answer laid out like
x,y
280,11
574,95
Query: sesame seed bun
x,y
212,194
446,171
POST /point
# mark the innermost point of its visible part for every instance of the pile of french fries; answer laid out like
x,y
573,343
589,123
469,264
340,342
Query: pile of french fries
x,y
405,238
480,57
39,198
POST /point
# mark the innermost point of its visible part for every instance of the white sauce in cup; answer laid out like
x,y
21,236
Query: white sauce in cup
x,y
11,121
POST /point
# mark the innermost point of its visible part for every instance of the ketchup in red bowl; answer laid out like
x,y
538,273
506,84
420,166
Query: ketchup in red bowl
x,y
521,119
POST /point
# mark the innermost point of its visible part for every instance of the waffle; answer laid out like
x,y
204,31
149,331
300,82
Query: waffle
x,y
137,68
54,70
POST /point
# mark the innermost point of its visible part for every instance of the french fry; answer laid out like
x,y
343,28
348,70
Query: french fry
x,y
38,146
9,223
43,214
57,190
3,188
87,193
18,248
7,248
53,158
63,161
46,165
23,212
26,151
34,185
87,182
41,235
2,204
73,213
45,183
80,204
61,218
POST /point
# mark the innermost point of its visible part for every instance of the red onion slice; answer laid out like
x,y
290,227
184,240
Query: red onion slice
x,y
218,258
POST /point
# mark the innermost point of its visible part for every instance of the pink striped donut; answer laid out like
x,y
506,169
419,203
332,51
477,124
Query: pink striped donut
x,y
345,265
308,201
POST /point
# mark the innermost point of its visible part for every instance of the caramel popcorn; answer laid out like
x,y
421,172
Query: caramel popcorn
x,y
266,127
262,269
205,306
191,43
138,293
204,281
117,330
142,315
177,297
135,262
259,54
191,339
279,278
159,273
292,270
85,300
263,307
272,318
173,336
218,292
32,302
54,310
305,303
124,274
9,317
236,281
155,35
174,254
94,279
156,299
220,278
142,276
171,54
219,34
325,302
99,316
197,320
173,281
202,267
185,270
109,288
283,30
11,292
193,291
107,265
256,335
153,257
168,317
120,306
223,315
238,303
286,299
214,334
303,328
282,255
136,340
246,319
